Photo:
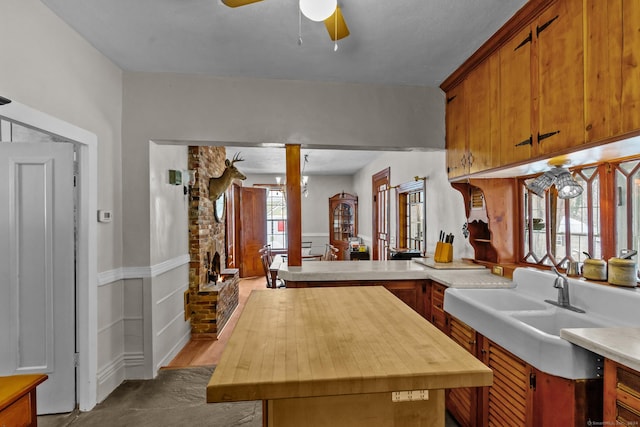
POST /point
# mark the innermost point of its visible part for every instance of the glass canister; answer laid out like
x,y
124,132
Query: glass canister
x,y
594,269
623,272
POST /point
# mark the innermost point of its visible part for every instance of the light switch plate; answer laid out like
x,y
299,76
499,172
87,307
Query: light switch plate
x,y
104,216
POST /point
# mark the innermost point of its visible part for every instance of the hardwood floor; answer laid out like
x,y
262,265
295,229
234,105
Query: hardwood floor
x,y
208,352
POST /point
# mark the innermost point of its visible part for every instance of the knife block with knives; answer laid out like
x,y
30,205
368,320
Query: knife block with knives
x,y
444,248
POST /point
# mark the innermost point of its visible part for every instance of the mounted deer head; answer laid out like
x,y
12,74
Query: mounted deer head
x,y
218,185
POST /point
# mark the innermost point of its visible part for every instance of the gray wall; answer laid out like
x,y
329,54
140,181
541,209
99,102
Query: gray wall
x,y
229,110
445,206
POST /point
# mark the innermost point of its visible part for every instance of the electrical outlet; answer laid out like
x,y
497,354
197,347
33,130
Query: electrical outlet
x,y
409,395
497,270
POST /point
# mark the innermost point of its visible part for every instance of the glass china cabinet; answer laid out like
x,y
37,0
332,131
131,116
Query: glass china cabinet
x,y
343,221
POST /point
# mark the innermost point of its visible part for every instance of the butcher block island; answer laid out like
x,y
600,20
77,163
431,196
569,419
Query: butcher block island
x,y
341,356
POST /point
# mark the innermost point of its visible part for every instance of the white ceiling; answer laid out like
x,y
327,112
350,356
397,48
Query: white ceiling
x,y
404,42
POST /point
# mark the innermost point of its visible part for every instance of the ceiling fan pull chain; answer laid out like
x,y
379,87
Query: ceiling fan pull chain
x,y
299,27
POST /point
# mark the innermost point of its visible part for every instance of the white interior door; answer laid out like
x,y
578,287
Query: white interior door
x,y
37,279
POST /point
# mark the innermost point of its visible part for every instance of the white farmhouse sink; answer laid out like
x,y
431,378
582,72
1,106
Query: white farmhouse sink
x,y
519,320
551,321
504,299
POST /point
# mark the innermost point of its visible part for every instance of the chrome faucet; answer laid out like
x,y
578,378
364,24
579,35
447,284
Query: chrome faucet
x,y
561,283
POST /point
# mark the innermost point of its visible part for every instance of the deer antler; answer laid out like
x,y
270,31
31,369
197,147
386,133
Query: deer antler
x,y
236,158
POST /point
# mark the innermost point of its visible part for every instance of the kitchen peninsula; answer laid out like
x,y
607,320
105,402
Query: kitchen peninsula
x,y
409,280
336,356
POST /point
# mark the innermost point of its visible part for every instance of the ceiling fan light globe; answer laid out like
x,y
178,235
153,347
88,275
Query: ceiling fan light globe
x,y
318,10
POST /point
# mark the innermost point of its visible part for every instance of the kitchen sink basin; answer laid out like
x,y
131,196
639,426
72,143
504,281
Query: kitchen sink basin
x,y
551,321
505,299
520,320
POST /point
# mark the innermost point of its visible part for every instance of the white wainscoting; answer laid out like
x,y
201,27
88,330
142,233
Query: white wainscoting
x,y
141,324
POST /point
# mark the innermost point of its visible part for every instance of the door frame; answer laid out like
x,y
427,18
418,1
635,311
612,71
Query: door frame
x,y
383,175
87,248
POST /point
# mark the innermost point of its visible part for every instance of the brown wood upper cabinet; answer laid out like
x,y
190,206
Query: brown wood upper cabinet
x,y
547,116
525,97
473,132
612,74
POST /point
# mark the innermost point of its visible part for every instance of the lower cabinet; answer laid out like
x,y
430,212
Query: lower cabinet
x,y
438,316
621,394
521,395
462,403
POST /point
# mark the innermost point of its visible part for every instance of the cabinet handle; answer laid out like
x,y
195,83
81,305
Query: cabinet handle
x,y
451,99
528,141
528,39
546,135
544,26
472,342
470,158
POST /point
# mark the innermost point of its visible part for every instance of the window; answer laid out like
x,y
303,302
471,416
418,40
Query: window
x,y
561,230
276,217
602,221
411,215
627,201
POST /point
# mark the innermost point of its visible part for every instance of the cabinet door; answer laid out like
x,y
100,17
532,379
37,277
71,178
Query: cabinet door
x,y
463,402
509,400
481,97
602,68
456,125
630,69
515,98
560,68
438,316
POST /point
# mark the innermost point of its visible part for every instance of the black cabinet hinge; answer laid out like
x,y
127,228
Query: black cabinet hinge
x,y
544,26
528,141
451,99
532,380
546,135
528,39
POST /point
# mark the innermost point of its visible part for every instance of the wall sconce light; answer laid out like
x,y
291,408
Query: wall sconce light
x,y
567,186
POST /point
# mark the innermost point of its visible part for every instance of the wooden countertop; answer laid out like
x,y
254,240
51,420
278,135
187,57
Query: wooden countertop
x,y
14,386
336,341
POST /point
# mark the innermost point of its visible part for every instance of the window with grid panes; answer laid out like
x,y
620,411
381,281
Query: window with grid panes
x,y
557,230
276,217
411,215
627,204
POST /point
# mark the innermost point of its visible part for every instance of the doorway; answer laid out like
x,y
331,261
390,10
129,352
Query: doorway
x,y
380,191
86,241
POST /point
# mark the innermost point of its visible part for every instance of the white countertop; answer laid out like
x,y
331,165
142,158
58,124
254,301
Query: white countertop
x,y
321,271
620,344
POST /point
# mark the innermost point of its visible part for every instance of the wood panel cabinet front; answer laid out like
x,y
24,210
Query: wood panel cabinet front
x,y
516,102
621,394
560,75
457,131
438,316
462,403
612,74
483,115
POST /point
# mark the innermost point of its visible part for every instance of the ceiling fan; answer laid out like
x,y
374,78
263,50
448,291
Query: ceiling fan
x,y
335,23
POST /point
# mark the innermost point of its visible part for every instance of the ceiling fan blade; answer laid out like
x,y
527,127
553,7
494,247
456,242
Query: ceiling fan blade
x,y
236,3
342,29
